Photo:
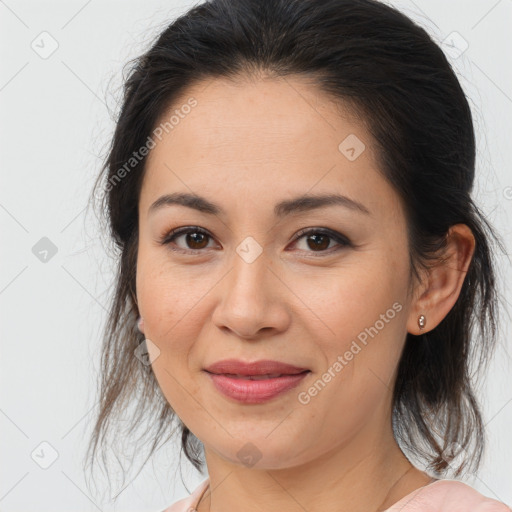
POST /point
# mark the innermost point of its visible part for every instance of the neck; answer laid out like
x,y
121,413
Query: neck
x,y
365,474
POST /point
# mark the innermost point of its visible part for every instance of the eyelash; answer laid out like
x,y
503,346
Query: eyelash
x,y
337,237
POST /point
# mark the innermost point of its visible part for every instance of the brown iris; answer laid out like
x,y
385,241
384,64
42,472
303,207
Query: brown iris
x,y
195,239
316,243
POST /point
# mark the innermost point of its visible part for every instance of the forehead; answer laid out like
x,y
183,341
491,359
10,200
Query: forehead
x,y
273,137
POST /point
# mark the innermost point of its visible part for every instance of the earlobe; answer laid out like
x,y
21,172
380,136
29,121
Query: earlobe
x,y
420,324
422,321
445,280
140,324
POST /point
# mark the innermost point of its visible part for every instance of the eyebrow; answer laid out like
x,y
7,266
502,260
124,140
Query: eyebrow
x,y
298,204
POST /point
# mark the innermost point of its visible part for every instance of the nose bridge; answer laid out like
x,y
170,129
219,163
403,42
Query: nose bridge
x,y
249,277
249,300
249,267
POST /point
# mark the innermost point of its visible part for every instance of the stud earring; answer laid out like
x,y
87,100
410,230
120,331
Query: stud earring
x,y
422,321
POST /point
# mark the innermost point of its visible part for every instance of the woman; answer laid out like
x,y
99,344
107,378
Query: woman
x,y
301,261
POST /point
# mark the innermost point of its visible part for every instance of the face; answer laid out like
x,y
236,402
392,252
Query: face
x,y
248,282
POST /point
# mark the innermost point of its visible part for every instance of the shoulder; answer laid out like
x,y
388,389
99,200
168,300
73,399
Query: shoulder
x,y
449,495
454,492
440,496
189,503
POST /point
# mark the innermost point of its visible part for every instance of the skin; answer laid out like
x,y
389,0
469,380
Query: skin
x,y
247,146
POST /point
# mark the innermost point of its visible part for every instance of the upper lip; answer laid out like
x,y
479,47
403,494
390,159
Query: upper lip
x,y
262,367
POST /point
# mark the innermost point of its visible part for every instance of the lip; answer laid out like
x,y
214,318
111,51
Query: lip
x,y
255,391
234,379
262,367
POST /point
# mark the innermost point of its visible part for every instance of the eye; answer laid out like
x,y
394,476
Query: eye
x,y
195,239
318,240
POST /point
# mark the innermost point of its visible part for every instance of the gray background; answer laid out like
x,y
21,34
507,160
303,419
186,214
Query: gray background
x,y
55,126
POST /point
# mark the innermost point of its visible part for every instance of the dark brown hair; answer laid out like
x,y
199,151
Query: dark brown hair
x,y
372,57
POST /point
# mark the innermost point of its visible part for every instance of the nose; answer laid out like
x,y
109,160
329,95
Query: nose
x,y
253,300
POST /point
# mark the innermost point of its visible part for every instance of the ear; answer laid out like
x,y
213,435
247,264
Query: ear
x,y
140,324
440,290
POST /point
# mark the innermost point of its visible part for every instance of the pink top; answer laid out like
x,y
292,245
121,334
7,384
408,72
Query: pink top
x,y
438,496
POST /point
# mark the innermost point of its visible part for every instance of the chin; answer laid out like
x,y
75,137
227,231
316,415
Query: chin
x,y
259,452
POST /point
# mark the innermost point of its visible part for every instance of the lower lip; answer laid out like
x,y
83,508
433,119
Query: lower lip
x,y
255,391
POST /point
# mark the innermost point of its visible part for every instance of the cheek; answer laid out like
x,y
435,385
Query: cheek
x,y
361,316
172,311
169,296
361,361
345,302
174,303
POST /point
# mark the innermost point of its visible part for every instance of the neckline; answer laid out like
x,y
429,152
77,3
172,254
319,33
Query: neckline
x,y
205,485
412,494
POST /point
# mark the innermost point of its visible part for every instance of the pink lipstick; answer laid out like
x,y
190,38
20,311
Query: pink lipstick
x,y
255,382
